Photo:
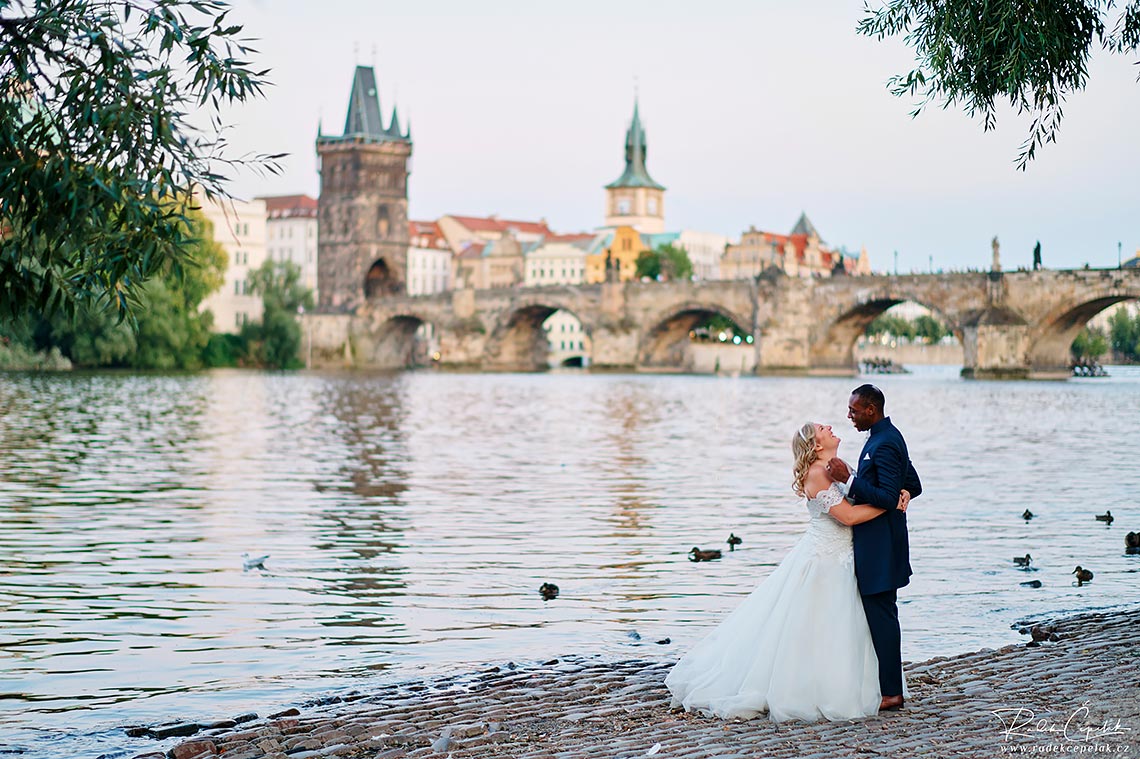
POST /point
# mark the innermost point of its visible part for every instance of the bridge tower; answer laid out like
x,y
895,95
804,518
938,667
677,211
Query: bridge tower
x,y
362,221
634,199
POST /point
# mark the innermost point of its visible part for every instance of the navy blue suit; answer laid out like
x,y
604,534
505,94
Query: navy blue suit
x,y
882,550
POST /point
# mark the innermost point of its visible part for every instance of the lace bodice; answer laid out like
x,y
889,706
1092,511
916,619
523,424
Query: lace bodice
x,y
827,536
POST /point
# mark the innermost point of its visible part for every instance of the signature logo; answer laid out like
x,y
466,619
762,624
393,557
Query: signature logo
x,y
1020,722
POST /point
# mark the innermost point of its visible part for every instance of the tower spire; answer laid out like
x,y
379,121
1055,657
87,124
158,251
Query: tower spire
x,y
394,125
364,105
636,173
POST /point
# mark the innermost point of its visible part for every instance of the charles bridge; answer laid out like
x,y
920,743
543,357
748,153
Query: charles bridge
x,y
1011,324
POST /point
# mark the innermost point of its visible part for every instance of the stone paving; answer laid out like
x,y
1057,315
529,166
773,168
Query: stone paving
x,y
1076,696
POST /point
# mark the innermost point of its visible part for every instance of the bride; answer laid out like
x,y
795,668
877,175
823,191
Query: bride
x,y
798,647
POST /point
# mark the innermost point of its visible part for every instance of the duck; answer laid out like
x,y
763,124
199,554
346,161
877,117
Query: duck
x,y
733,541
548,590
1106,517
1083,575
1132,542
1023,561
1027,515
1031,584
698,555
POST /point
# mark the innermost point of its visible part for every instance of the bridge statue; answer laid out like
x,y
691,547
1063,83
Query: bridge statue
x,y
996,266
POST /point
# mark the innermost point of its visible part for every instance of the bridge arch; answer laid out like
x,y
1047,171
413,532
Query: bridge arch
x,y
664,343
402,339
1051,337
833,344
520,342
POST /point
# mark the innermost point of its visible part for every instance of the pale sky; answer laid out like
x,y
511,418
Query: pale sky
x,y
754,110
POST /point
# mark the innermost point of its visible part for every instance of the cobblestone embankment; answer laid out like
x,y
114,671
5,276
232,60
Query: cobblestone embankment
x,y
1077,696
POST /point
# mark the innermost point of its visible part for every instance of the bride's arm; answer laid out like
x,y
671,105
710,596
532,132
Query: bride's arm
x,y
851,515
844,512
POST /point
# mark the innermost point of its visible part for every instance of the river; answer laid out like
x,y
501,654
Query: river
x,y
409,520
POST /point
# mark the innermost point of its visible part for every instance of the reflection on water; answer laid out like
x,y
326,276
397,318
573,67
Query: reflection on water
x,y
410,519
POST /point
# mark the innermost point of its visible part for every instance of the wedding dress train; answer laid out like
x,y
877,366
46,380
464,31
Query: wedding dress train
x,y
798,647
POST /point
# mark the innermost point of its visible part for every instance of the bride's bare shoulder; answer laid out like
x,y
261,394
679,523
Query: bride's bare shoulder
x,y
817,479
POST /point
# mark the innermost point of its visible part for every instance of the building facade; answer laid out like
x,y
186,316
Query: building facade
x,y
567,343
291,234
800,253
240,228
634,199
363,208
555,263
612,257
429,260
488,265
705,249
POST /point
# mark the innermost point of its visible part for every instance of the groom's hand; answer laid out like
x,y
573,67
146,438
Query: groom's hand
x,y
904,500
838,470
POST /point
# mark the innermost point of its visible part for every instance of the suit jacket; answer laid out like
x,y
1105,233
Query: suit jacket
x,y
882,549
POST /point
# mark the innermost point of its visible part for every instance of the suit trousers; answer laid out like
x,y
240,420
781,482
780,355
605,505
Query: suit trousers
x,y
883,619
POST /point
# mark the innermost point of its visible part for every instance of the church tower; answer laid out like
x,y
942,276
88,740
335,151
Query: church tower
x,y
634,199
362,218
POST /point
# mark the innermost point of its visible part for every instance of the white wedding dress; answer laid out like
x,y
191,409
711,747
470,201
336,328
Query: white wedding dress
x,y
798,647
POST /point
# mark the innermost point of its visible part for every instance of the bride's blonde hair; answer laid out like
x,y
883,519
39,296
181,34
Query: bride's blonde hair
x,y
803,450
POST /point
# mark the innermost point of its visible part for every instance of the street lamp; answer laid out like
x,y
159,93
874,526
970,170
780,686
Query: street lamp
x,y
1119,264
896,263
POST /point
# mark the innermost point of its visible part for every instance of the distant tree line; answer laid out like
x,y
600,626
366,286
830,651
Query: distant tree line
x,y
924,328
1122,337
168,330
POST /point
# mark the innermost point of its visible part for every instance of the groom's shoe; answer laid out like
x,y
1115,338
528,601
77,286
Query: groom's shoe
x,y
891,703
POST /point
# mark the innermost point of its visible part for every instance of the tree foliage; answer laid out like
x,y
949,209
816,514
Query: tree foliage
x,y
977,55
665,262
110,116
169,332
276,340
1124,334
1090,343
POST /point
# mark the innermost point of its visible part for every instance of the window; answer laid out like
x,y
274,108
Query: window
x,y
653,206
237,287
623,206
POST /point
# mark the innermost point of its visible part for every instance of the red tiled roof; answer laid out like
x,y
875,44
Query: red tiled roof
x,y
494,224
799,245
573,237
474,250
280,206
426,234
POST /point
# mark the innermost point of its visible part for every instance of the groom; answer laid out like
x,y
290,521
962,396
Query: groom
x,y
882,554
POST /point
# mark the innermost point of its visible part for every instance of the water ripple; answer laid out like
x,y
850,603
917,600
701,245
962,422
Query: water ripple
x,y
409,520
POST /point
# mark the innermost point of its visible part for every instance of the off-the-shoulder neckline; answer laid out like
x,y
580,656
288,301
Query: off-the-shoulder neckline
x,y
821,492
